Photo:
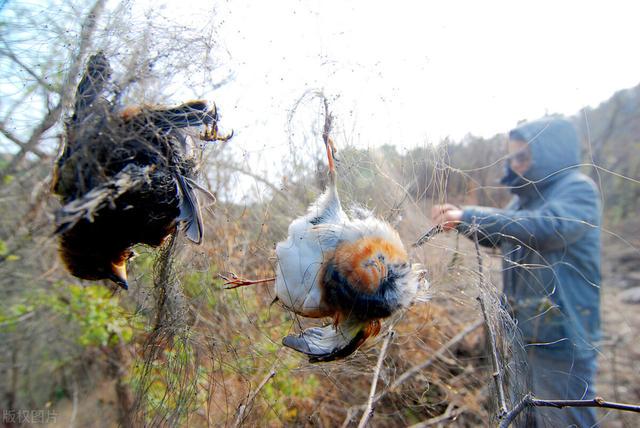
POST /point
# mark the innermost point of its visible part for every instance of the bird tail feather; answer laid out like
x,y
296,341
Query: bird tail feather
x,y
93,82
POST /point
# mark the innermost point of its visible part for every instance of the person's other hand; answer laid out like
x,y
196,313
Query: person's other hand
x,y
446,215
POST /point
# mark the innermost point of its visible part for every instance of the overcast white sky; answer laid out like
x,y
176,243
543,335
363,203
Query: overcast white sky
x,y
411,72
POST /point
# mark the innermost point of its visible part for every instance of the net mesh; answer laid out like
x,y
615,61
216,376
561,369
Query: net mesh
x,y
182,350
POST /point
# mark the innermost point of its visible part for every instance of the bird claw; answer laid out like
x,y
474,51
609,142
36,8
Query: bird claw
x,y
211,134
232,281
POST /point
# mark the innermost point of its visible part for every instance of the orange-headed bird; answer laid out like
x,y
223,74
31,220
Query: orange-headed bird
x,y
124,177
355,271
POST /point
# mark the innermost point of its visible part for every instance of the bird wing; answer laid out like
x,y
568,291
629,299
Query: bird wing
x,y
330,343
298,272
88,115
131,177
189,209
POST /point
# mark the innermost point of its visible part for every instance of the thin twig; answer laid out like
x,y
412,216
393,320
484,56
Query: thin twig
x,y
256,177
9,54
74,409
510,416
495,363
240,415
368,413
9,136
351,412
21,318
447,416
596,402
439,353
529,401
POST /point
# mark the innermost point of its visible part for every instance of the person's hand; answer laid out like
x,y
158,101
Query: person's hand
x,y
446,215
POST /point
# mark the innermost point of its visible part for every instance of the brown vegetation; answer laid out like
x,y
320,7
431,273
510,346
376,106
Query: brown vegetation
x,y
178,349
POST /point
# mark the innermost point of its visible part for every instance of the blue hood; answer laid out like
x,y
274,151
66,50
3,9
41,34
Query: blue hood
x,y
555,151
550,241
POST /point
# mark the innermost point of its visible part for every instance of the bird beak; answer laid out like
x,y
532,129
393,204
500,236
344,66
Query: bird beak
x,y
119,274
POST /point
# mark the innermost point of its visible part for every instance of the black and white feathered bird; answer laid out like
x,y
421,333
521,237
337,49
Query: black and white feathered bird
x,y
355,271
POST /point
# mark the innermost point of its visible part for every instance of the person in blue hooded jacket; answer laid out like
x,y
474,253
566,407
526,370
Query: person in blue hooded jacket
x,y
549,235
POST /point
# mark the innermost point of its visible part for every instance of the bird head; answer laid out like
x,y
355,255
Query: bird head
x,y
97,265
118,272
370,278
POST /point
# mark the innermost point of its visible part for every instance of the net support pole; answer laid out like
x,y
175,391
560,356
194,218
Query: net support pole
x,y
491,335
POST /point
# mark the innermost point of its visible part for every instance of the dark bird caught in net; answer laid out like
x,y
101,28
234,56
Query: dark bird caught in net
x,y
125,177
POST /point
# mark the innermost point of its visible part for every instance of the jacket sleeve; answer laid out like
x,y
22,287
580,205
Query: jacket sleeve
x,y
563,219
486,238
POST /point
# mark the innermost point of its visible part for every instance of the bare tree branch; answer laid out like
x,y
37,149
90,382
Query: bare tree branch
x,y
448,416
368,412
9,54
257,178
9,136
240,415
530,401
50,119
439,353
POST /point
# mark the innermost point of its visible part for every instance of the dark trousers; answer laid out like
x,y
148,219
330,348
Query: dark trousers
x,y
562,376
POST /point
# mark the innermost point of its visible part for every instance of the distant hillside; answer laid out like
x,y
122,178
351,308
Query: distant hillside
x,y
469,171
610,135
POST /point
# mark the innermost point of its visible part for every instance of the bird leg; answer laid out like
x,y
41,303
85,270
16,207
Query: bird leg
x,y
336,320
233,281
331,150
328,142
